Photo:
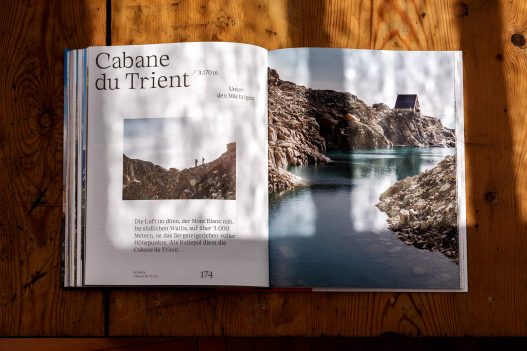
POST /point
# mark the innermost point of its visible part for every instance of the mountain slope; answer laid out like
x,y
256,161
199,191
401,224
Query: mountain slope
x,y
142,180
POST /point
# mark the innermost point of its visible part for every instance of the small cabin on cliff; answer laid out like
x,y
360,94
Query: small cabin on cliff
x,y
407,102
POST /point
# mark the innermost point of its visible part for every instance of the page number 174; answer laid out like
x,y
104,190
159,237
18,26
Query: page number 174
x,y
206,274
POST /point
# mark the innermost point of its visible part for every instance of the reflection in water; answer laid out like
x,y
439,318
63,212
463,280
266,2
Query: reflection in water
x,y
330,234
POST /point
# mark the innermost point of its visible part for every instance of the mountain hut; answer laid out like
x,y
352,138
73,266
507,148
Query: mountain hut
x,y
407,102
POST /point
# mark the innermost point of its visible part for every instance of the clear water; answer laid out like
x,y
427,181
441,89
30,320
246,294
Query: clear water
x,y
330,234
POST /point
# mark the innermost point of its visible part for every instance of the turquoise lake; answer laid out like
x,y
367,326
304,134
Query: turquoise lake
x,y
330,234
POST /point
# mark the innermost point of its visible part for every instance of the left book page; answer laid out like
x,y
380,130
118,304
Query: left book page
x,y
176,165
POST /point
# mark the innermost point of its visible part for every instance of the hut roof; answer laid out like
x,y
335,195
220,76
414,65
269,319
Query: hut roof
x,y
406,101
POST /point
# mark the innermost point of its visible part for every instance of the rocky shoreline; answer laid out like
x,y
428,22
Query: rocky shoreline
x,y
422,210
304,123
294,136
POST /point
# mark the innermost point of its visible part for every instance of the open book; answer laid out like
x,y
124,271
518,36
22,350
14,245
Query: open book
x,y
225,164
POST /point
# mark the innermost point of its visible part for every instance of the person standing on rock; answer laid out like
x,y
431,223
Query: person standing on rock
x,y
196,162
203,160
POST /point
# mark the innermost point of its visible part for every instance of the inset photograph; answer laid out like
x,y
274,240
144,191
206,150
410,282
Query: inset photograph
x,y
178,159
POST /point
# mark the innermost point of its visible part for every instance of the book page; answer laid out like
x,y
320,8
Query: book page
x,y
366,174
177,156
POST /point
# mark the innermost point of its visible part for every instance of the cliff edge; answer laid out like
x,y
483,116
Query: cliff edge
x,y
304,123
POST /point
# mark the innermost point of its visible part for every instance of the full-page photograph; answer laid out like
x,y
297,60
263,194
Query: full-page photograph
x,y
366,175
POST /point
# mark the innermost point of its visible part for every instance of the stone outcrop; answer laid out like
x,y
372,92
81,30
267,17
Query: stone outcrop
x,y
422,210
412,129
142,180
136,170
280,179
294,136
304,123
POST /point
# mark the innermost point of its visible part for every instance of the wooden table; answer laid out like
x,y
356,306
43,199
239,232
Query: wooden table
x,y
35,33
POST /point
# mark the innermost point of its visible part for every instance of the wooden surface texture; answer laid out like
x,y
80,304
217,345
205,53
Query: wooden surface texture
x,y
33,36
261,344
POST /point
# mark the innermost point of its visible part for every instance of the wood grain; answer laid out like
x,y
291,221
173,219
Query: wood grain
x,y
495,72
33,38
261,344
98,344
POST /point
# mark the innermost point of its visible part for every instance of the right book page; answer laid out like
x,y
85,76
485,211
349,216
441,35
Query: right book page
x,y
366,170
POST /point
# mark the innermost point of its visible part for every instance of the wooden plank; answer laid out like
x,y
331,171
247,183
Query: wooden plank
x,y
207,344
97,344
274,344
495,72
34,36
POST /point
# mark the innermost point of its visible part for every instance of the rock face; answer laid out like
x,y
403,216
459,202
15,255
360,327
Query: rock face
x,y
142,180
135,170
294,135
422,210
411,129
304,123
